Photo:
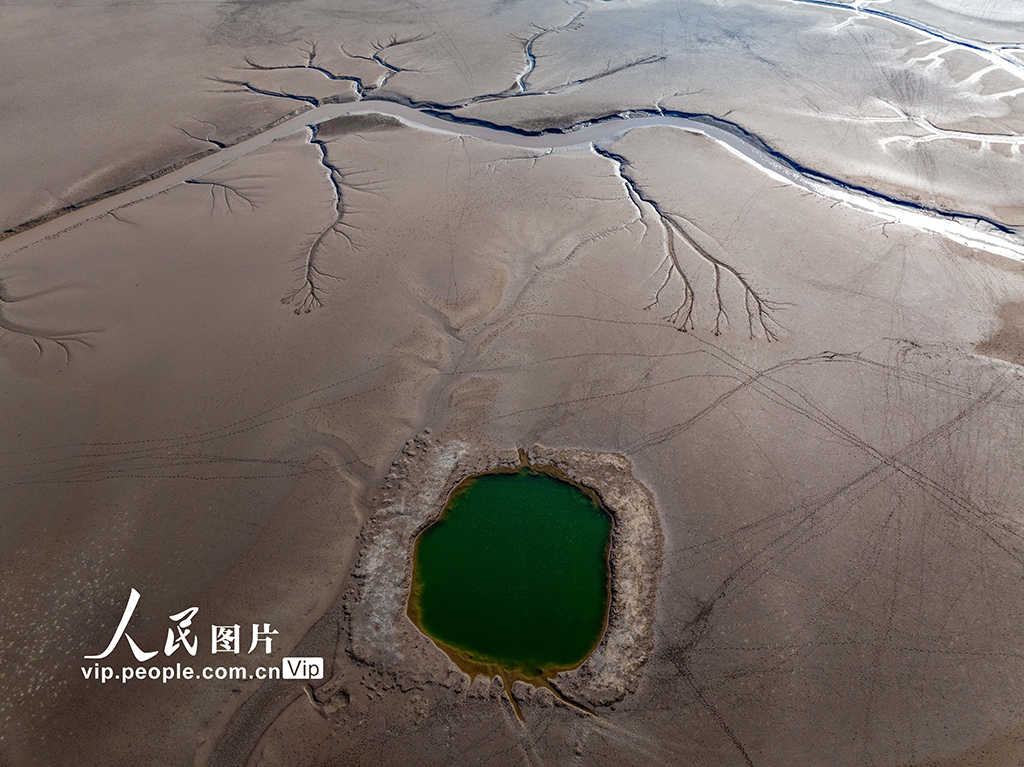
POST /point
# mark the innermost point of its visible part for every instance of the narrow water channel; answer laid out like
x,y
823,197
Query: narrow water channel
x,y
968,230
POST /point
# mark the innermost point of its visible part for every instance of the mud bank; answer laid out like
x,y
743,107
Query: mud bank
x,y
414,496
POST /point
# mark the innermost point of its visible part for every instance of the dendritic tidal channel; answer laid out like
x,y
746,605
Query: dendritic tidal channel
x,y
513,578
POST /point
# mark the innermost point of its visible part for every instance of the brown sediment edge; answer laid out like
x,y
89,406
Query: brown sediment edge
x,y
414,495
40,220
614,668
474,669
474,666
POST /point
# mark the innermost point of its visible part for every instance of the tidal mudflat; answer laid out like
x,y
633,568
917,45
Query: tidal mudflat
x,y
276,277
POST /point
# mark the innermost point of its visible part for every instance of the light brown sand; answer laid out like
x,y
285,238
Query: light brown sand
x,y
840,506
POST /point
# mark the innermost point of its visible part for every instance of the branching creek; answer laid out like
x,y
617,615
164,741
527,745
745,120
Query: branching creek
x,y
972,231
373,96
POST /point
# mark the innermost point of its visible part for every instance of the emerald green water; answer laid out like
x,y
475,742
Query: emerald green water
x,y
515,574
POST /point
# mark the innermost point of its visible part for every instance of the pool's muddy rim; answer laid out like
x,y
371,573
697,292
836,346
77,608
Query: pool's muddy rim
x,y
475,665
415,494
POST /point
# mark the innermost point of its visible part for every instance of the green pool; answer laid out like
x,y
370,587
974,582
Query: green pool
x,y
514,575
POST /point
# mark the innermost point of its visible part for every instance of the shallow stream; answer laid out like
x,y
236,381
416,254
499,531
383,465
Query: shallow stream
x,y
964,229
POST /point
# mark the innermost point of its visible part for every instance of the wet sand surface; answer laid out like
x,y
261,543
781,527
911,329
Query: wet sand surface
x,y
241,386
